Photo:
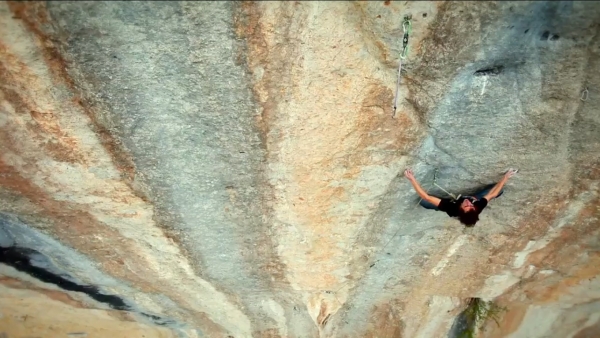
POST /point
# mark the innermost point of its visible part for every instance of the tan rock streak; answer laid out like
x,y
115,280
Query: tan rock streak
x,y
34,17
308,223
333,146
30,313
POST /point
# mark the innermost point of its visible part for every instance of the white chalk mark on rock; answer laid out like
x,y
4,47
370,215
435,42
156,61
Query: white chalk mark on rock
x,y
484,83
451,251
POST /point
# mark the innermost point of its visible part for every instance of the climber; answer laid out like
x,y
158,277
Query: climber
x,y
465,208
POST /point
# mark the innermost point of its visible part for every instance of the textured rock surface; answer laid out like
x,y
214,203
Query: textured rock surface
x,y
216,169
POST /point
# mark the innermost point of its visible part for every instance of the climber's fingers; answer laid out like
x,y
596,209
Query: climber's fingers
x,y
511,172
409,174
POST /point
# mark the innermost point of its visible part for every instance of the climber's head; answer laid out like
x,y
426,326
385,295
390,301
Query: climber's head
x,y
467,206
468,218
468,214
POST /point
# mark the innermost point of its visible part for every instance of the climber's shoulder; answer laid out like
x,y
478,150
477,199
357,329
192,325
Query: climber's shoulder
x,y
449,206
481,203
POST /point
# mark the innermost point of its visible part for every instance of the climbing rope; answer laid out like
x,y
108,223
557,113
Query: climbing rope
x,y
449,194
435,173
407,28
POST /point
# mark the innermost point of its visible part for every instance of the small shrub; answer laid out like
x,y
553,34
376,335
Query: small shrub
x,y
477,313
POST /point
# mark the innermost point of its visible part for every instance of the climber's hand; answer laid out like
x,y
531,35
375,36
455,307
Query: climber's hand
x,y
409,174
510,173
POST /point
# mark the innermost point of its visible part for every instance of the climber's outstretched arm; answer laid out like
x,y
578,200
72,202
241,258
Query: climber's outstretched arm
x,y
498,187
431,199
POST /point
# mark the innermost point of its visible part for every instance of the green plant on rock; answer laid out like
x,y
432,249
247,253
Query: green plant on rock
x,y
477,313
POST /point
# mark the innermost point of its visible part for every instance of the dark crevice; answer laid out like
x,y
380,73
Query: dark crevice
x,y
21,259
159,320
495,70
545,35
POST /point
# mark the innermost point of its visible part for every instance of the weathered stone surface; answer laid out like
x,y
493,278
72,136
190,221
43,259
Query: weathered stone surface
x,y
234,169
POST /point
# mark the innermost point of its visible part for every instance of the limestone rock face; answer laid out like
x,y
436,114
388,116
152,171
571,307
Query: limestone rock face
x,y
234,169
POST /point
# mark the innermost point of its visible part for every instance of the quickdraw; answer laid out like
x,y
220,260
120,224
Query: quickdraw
x,y
407,28
584,95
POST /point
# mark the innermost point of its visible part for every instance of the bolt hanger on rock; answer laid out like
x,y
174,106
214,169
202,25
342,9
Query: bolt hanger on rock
x,y
584,95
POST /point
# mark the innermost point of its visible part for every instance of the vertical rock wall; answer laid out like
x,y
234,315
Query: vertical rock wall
x,y
228,169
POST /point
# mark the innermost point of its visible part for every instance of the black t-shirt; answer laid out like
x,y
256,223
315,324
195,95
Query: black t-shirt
x,y
451,207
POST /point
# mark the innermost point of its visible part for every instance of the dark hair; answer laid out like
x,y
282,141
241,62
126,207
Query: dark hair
x,y
468,218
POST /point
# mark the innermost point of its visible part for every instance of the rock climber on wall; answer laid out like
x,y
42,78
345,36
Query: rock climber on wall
x,y
465,208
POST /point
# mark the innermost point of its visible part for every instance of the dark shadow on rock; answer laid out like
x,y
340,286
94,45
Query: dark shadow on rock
x,y
19,258
494,70
460,326
24,260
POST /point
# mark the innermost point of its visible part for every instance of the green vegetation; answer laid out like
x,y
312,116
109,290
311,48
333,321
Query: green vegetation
x,y
477,313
